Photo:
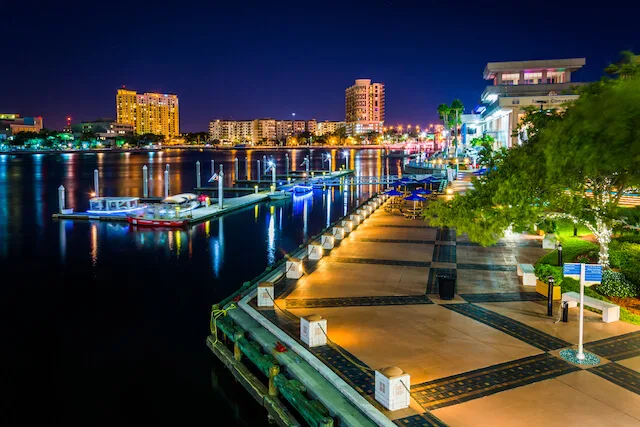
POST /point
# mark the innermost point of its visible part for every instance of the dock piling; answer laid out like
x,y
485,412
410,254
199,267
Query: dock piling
x,y
236,168
198,178
259,172
246,167
61,198
145,181
213,167
220,189
306,162
273,175
286,164
166,182
167,168
96,183
237,353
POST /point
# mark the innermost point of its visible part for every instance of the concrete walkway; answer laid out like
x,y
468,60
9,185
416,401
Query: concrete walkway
x,y
488,357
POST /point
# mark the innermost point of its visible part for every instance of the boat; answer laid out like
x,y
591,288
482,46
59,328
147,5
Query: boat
x,y
302,189
180,203
114,205
157,222
279,195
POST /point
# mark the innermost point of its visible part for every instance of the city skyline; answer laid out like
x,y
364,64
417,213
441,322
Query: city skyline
x,y
242,66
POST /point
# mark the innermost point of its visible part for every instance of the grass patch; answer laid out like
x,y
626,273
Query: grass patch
x,y
565,229
572,248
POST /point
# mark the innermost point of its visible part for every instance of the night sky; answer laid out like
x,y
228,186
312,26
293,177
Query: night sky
x,y
244,60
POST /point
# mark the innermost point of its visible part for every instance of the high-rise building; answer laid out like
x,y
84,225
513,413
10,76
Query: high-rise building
x,y
264,130
312,126
326,127
284,129
364,107
237,131
149,112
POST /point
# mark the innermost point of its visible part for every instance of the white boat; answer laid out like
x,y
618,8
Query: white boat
x,y
279,195
114,205
180,203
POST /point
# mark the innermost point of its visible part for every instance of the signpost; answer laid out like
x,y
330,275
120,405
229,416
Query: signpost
x,y
589,273
571,270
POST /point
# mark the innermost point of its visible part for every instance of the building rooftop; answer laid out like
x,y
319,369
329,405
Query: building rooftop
x,y
569,64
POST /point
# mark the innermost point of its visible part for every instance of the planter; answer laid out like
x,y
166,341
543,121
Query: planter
x,y
542,288
549,241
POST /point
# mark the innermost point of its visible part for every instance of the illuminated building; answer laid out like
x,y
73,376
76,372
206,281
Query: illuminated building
x,y
312,126
518,84
264,130
227,131
11,124
364,107
326,127
284,129
149,112
103,128
259,130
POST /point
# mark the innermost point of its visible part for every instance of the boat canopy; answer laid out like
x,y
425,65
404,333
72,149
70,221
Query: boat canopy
x,y
180,198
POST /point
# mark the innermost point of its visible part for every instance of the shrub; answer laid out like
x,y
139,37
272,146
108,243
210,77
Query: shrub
x,y
614,284
572,247
543,271
626,257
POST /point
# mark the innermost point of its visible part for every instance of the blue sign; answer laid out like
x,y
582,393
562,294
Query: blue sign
x,y
593,273
571,269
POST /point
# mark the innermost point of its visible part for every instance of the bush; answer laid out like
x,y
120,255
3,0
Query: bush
x,y
626,257
543,271
614,284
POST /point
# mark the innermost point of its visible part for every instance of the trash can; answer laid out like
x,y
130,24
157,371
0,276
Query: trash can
x,y
446,287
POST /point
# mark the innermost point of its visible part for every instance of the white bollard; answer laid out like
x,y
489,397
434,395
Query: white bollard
x,y
265,294
326,240
213,167
355,219
311,330
293,268
362,212
347,226
198,178
166,183
61,199
392,385
145,181
236,168
314,251
338,233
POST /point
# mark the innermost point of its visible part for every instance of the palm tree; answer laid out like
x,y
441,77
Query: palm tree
x,y
443,112
456,111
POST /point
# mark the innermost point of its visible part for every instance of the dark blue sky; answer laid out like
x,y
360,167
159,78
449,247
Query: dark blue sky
x,y
268,59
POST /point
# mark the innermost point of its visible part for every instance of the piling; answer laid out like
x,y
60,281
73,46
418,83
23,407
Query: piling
x,y
259,172
96,184
166,182
286,164
246,167
264,162
198,179
61,198
213,167
220,188
145,181
236,167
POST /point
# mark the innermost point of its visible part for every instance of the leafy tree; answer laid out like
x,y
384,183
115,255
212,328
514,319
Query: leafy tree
x,y
196,137
574,164
628,66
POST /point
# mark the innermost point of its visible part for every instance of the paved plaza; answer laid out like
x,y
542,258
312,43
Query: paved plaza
x,y
487,357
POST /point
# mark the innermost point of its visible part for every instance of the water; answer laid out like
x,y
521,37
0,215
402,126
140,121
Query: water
x,y
104,325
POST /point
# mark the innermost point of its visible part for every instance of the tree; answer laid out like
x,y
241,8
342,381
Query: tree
x,y
575,164
444,112
627,67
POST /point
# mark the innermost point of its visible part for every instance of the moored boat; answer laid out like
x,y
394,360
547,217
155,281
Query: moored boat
x,y
114,205
157,222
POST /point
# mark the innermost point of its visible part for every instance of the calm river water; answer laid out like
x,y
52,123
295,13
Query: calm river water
x,y
104,325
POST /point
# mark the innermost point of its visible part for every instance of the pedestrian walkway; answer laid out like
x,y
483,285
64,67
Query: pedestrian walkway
x,y
487,357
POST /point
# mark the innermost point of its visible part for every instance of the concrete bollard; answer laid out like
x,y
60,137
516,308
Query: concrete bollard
x,y
338,233
265,294
355,219
362,213
145,181
198,178
314,251
293,268
347,226
392,385
61,199
96,182
311,330
327,241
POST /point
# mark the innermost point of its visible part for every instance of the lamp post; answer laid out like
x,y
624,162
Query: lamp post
x,y
560,255
550,296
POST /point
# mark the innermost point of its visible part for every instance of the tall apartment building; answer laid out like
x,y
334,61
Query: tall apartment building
x,y
326,127
149,112
237,131
364,107
284,129
312,126
263,130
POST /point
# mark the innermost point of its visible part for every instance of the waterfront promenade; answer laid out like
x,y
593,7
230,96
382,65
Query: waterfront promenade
x,y
487,357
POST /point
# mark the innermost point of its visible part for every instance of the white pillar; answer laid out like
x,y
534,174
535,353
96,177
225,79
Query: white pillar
x,y
220,189
167,168
198,179
273,175
166,183
314,251
61,198
96,183
265,294
313,330
392,388
293,268
580,355
236,167
145,181
264,161
259,172
213,167
307,164
327,241
286,164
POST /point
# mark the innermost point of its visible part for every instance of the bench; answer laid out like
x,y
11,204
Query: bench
x,y
528,274
610,312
